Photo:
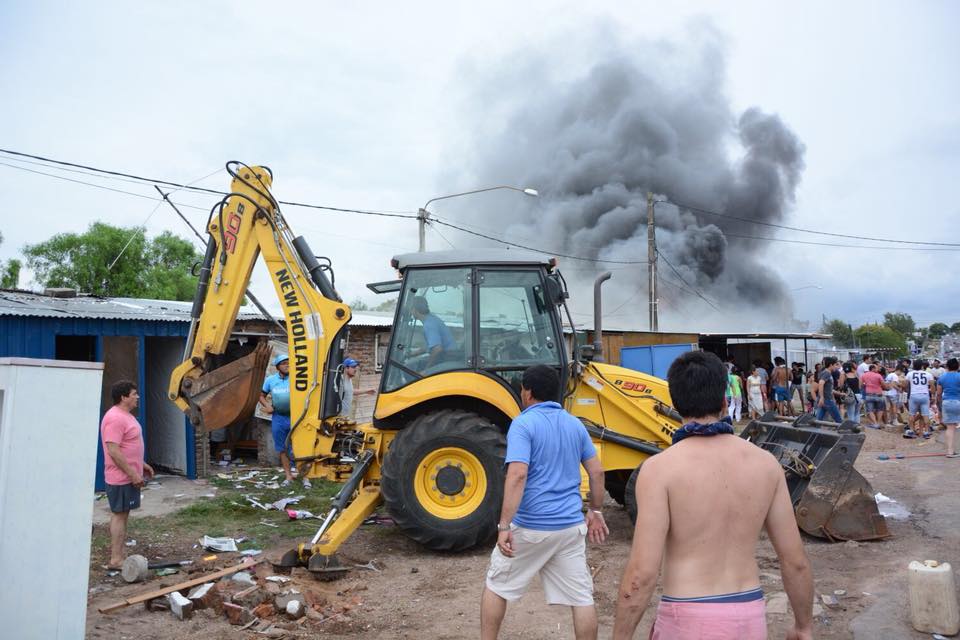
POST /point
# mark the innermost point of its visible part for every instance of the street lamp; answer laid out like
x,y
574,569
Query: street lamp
x,y
423,214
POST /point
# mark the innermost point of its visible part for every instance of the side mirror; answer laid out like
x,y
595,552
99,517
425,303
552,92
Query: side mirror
x,y
556,294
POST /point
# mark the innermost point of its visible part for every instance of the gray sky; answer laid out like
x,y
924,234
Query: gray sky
x,y
373,106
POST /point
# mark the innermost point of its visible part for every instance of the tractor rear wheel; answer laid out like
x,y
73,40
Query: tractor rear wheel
x,y
615,482
442,479
630,495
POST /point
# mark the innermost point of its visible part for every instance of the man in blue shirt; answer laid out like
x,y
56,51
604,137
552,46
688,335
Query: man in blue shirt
x,y
542,529
437,335
277,387
948,390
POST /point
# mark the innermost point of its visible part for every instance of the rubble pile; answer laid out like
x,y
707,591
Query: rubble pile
x,y
271,605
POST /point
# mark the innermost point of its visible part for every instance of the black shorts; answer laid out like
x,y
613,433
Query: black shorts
x,y
123,497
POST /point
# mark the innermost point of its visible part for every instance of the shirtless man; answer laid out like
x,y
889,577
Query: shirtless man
x,y
780,386
701,505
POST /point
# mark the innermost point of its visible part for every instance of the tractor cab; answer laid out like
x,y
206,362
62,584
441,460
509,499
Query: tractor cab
x,y
487,312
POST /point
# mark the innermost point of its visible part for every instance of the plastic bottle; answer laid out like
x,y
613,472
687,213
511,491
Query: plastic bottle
x,y
933,598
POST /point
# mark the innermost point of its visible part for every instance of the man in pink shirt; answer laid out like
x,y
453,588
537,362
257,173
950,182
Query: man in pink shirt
x,y
123,465
873,386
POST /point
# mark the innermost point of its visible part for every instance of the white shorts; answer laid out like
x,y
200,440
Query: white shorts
x,y
558,556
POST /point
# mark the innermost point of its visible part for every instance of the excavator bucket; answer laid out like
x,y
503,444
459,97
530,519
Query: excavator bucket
x,y
830,498
229,393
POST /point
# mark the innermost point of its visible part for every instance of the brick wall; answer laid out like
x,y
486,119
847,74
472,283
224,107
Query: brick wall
x,y
362,345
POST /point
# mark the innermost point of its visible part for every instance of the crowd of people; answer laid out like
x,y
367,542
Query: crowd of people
x,y
916,396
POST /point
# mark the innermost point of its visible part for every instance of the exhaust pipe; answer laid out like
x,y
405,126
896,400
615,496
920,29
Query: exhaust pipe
x,y
313,268
598,317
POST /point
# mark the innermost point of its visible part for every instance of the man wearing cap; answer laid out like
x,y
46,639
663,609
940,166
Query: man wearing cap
x,y
277,387
349,368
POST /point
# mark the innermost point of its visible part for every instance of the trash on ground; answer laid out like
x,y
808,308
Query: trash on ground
x,y
251,552
297,514
131,543
282,503
278,579
169,571
269,524
218,544
890,508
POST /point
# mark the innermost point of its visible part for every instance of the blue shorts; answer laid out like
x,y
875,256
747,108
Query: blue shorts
x,y
123,497
950,412
921,405
780,394
280,427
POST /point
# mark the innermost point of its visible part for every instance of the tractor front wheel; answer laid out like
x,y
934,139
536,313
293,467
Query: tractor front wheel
x,y
442,479
630,495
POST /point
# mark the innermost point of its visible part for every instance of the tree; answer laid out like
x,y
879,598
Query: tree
x,y
955,327
9,272
902,323
359,305
840,330
158,268
937,330
878,336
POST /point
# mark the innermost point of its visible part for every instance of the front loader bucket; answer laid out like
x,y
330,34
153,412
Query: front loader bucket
x,y
228,394
830,498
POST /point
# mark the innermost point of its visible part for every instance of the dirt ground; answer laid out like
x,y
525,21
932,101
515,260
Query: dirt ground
x,y
421,594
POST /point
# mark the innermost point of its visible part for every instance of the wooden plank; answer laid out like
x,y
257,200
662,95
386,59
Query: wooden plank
x,y
207,577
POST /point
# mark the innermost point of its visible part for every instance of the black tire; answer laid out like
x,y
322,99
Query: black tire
x,y
401,472
630,495
615,482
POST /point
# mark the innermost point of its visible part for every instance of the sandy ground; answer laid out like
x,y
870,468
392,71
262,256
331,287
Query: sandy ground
x,y
163,494
420,594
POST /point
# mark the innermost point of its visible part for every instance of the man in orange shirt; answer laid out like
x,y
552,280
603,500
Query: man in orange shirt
x,y
123,465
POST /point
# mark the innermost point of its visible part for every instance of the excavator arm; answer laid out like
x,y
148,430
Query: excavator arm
x,y
247,224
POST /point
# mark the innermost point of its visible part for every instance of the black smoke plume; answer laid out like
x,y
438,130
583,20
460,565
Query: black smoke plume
x,y
638,118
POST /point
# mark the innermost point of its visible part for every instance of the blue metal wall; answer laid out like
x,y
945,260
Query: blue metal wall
x,y
34,337
653,359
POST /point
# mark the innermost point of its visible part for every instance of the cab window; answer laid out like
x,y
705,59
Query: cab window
x,y
432,331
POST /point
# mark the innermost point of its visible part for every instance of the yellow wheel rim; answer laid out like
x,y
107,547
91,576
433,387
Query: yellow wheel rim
x,y
450,483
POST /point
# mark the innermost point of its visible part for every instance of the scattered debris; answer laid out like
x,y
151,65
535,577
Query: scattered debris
x,y
218,544
840,592
777,603
414,570
244,577
294,609
131,543
167,571
295,514
286,598
829,600
269,524
371,566
251,552
282,503
135,568
237,615
180,606
279,579
890,508
205,596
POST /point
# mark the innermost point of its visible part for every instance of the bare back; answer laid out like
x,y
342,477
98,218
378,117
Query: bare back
x,y
719,491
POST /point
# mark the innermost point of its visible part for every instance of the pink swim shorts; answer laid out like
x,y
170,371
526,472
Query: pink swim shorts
x,y
710,621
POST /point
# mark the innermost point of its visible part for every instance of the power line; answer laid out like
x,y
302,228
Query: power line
x,y
369,212
695,290
833,244
789,228
521,246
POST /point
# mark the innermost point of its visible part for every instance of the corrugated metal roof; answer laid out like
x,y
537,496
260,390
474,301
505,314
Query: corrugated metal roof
x,y
22,303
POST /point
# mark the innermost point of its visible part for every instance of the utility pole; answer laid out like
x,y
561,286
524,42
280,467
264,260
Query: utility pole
x,y
652,264
422,222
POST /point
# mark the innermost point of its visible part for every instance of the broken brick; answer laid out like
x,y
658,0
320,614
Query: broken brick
x,y
283,599
236,614
273,587
250,597
206,596
264,610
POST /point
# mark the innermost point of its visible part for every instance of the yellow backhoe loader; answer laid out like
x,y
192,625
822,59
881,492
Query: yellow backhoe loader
x,y
467,324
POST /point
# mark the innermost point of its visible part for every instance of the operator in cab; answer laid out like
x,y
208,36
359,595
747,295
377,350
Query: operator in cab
x,y
438,339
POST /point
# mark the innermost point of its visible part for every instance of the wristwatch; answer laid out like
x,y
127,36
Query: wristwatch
x,y
503,527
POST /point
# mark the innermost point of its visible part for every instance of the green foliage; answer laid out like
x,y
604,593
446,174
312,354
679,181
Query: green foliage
x,y
387,305
359,305
955,327
902,323
938,330
842,334
158,268
878,336
9,272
